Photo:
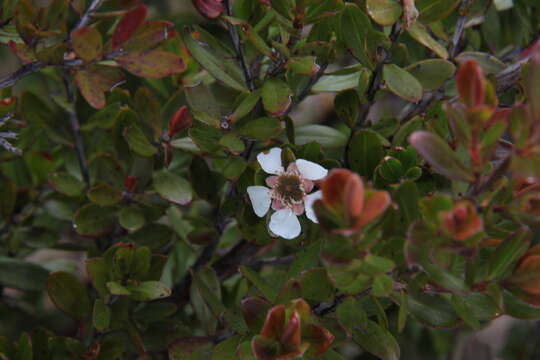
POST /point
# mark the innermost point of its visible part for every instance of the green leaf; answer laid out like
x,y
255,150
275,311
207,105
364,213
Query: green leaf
x,y
261,129
407,196
203,104
68,294
346,106
104,195
519,309
432,73
420,34
439,155
232,167
148,290
101,316
94,220
316,285
229,74
233,143
489,63
382,285
207,283
264,287
377,341
65,183
173,187
205,137
246,105
131,217
350,315
87,43
403,311
24,348
115,288
226,349
365,152
435,10
446,279
354,31
276,96
94,80
154,64
391,169
346,79
326,136
138,142
464,311
384,12
22,275
508,252
432,310
401,83
373,265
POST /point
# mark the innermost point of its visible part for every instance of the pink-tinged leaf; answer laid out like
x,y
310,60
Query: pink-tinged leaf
x,y
181,120
375,204
93,81
527,274
87,44
190,348
127,26
440,156
471,83
149,35
208,8
291,337
274,323
264,348
151,63
319,338
410,14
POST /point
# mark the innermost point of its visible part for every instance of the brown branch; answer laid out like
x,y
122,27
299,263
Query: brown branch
x,y
460,28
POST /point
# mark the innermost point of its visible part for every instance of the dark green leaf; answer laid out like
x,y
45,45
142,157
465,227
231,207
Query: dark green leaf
x,y
68,294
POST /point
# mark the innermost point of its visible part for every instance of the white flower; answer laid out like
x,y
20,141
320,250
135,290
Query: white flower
x,y
287,192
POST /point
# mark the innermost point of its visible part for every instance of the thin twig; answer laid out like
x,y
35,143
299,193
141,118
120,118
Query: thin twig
x,y
460,28
76,129
235,38
87,17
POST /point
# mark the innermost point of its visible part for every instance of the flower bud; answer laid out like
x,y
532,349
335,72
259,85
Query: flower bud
x,y
346,205
471,83
462,221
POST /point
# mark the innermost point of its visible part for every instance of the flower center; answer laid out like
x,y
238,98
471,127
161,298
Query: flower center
x,y
289,189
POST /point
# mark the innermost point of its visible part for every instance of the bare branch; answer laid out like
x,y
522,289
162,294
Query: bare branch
x,y
87,17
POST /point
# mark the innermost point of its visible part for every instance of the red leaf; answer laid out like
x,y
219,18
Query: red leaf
x,y
152,63
180,120
208,8
127,26
129,183
375,204
292,336
471,83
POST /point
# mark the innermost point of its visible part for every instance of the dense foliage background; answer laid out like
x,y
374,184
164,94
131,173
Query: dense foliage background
x,y
269,179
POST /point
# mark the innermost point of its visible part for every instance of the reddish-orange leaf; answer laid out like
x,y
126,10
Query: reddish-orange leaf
x,y
180,120
291,336
273,325
471,83
375,204
151,63
127,26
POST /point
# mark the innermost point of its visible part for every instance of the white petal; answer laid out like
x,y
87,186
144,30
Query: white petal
x,y
271,161
309,170
310,199
260,199
285,224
